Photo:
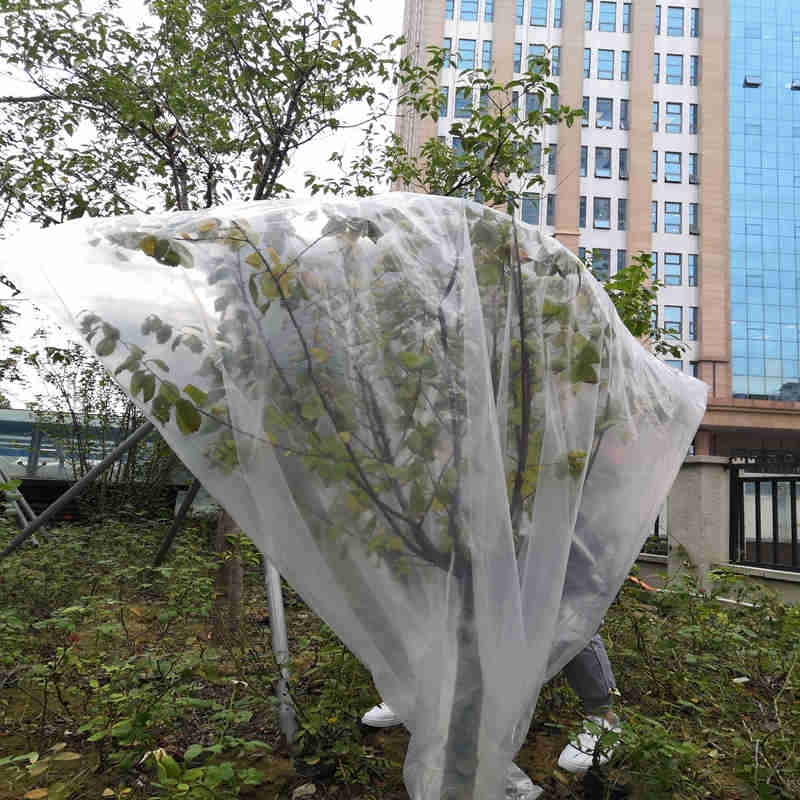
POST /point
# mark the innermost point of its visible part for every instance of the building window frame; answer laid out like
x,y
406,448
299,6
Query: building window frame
x,y
605,64
673,216
673,269
675,20
607,16
601,213
602,162
625,65
622,167
673,117
673,73
673,166
605,121
466,53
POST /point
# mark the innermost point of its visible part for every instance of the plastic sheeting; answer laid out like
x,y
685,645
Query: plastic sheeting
x,y
429,418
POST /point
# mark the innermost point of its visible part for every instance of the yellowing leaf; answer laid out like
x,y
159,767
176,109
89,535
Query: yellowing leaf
x,y
57,748
345,437
206,225
135,611
107,793
255,260
67,755
148,246
273,254
36,794
318,354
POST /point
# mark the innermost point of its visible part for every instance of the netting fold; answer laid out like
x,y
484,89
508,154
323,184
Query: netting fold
x,y
430,418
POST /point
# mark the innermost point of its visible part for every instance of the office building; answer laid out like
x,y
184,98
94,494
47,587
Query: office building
x,y
689,150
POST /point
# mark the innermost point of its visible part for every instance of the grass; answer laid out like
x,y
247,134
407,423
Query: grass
x,y
117,680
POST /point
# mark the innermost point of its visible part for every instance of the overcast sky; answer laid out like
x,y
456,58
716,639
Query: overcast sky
x,y
387,16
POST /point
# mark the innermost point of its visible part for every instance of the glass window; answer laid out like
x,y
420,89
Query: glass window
x,y
555,60
673,114
694,168
623,163
656,67
463,102
558,13
622,214
658,20
447,46
655,115
605,65
466,54
673,269
444,93
458,147
694,218
552,159
517,56
601,263
515,106
693,371
520,11
654,216
605,112
693,319
626,18
586,112
625,65
675,363
653,317
535,158
673,320
584,160
533,103
691,271
555,102
602,213
673,172
587,62
694,70
550,210
602,162
448,9
469,10
488,10
483,100
582,254
694,22
672,218
486,55
582,212
608,17
674,73
654,166
654,268
588,12
622,259
530,208
539,13
693,118
675,21
624,123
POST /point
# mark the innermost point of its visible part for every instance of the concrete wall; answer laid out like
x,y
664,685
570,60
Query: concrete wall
x,y
699,530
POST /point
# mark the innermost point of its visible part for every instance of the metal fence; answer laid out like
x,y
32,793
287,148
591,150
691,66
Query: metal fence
x,y
764,509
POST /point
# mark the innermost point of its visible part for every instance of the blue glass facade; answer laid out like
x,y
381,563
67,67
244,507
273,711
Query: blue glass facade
x,y
765,198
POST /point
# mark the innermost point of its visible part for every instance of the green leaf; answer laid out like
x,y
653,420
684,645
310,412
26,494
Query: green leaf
x,y
105,347
148,387
169,391
192,751
187,417
197,396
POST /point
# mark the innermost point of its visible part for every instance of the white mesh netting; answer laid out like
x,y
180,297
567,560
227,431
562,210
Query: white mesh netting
x,y
430,419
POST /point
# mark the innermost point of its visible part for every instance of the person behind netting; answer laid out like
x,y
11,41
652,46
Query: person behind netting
x,y
592,679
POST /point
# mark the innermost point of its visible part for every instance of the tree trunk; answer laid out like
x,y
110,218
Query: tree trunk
x,y
228,603
461,750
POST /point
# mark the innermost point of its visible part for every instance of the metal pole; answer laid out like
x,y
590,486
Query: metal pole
x,y
280,649
76,489
23,511
176,523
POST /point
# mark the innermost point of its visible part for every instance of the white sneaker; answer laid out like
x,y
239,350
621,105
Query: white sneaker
x,y
381,716
578,755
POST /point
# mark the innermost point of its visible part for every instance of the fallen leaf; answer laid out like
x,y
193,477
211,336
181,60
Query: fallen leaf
x,y
36,794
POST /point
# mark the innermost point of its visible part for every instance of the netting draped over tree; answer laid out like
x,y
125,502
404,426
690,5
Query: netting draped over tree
x,y
429,418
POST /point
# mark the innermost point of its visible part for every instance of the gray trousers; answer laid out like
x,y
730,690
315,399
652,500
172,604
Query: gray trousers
x,y
591,677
